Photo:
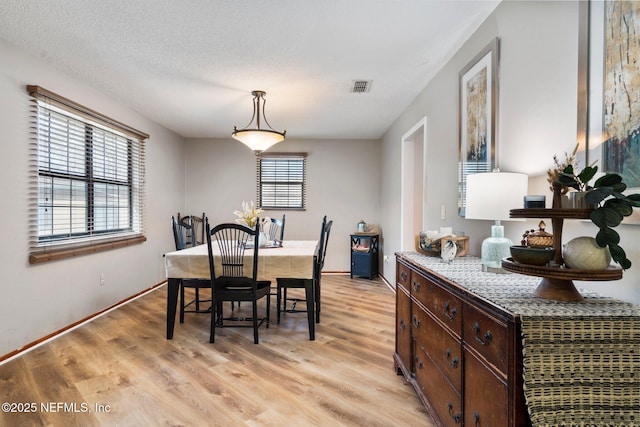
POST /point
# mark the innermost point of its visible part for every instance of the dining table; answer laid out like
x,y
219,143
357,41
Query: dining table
x,y
291,259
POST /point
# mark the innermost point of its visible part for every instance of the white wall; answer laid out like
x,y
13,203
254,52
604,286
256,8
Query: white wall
x,y
537,119
343,183
40,299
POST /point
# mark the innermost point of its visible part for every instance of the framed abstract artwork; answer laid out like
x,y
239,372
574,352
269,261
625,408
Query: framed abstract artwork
x,y
613,104
478,110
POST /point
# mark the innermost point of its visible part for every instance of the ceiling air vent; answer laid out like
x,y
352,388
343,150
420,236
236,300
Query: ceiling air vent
x,y
360,86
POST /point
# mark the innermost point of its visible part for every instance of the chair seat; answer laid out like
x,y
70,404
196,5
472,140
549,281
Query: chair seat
x,y
235,288
196,283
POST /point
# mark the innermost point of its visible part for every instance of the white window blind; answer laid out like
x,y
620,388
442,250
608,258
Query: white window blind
x,y
87,177
281,180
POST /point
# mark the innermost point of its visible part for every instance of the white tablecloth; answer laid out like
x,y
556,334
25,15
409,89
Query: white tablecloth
x,y
293,260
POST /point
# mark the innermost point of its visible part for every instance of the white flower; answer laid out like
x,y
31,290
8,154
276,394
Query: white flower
x,y
249,214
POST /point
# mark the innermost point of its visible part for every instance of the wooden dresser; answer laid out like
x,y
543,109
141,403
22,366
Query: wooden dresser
x,y
457,341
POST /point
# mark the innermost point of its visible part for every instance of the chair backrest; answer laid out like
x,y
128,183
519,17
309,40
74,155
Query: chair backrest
x,y
325,230
180,235
232,241
276,230
195,228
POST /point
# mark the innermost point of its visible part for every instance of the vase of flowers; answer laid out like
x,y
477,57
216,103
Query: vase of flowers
x,y
249,216
574,184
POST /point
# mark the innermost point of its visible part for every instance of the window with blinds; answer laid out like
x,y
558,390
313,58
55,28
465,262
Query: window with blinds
x,y
281,180
88,177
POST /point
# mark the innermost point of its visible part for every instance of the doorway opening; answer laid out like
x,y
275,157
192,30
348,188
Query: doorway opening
x,y
413,182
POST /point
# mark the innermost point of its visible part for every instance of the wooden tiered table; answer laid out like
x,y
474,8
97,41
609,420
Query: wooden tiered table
x,y
557,280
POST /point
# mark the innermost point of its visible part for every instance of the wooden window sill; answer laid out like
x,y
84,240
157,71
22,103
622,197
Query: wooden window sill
x,y
58,254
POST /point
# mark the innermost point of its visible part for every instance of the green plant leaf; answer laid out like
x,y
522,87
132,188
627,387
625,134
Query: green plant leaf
x,y
587,173
619,256
621,205
568,180
619,187
634,199
606,217
608,180
596,195
607,236
568,169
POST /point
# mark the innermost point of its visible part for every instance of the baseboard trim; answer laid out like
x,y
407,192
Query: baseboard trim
x,y
35,344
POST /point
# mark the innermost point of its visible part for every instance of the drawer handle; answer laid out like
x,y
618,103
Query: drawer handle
x,y
403,325
449,313
456,417
453,363
416,286
487,336
404,276
419,364
476,418
416,321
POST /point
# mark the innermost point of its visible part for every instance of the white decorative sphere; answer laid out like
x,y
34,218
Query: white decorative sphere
x,y
583,253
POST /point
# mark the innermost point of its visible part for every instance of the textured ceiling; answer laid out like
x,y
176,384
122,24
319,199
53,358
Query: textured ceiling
x,y
191,65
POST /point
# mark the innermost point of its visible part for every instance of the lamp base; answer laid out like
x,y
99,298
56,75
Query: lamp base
x,y
494,249
495,270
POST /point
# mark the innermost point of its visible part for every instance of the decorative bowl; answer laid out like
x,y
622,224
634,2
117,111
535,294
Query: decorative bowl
x,y
532,255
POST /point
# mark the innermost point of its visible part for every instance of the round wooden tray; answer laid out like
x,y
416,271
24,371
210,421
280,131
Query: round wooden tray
x,y
557,282
550,213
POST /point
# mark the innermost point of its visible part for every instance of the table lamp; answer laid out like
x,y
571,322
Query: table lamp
x,y
491,196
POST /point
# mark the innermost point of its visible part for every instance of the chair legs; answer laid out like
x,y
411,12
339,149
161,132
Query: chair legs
x,y
181,303
196,302
217,318
309,288
317,299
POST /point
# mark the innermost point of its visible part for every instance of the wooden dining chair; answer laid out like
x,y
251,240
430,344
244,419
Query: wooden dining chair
x,y
195,228
322,254
231,283
311,286
185,234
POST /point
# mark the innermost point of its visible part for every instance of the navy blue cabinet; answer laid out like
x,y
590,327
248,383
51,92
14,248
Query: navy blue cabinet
x,y
364,255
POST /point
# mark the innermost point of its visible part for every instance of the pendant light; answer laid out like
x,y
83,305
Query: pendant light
x,y
258,138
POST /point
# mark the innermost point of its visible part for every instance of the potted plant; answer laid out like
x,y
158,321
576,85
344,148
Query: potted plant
x,y
606,196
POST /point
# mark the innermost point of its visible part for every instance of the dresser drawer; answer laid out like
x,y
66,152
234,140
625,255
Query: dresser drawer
x,y
486,399
442,348
487,336
403,275
445,400
441,303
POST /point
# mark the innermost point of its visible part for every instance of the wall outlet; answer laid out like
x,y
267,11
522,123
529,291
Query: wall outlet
x,y
443,212
102,279
386,258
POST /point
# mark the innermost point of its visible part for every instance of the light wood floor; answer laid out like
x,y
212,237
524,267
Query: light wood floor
x,y
123,362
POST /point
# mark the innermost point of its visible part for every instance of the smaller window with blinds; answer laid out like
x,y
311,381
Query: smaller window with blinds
x,y
281,180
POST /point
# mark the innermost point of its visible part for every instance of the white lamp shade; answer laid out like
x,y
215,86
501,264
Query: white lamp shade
x,y
492,195
258,139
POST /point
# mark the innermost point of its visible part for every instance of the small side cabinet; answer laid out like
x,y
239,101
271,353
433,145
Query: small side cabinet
x,y
364,255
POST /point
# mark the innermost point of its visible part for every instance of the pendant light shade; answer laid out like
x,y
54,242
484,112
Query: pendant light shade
x,y
255,136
